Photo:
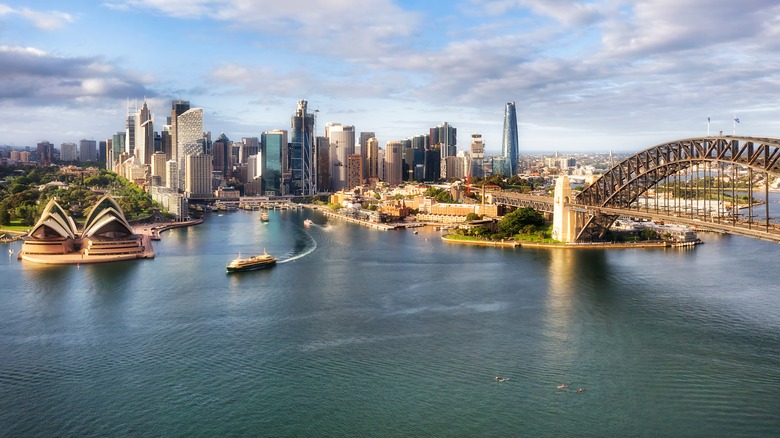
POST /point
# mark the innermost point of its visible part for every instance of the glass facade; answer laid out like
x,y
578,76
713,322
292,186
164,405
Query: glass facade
x,y
272,144
509,147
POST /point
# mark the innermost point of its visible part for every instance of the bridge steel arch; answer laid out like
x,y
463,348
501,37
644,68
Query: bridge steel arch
x,y
625,182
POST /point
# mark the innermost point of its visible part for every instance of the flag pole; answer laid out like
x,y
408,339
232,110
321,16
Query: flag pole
x,y
708,126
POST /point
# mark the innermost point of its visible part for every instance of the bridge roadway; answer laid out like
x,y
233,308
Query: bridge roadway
x,y
701,223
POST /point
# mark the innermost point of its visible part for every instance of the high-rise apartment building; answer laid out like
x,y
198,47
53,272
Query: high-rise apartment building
x,y
302,180
393,162
87,150
69,152
158,167
355,176
172,175
198,176
341,141
273,145
509,146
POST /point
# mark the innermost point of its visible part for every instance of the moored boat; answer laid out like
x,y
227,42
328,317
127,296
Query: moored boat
x,y
257,262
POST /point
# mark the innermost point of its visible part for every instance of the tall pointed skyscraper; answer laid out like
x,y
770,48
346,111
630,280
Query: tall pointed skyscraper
x,y
301,152
509,147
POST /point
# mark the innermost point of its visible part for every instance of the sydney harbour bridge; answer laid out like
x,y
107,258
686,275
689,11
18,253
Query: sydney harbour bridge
x,y
712,183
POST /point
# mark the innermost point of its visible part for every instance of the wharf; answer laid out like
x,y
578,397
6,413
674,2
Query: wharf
x,y
365,223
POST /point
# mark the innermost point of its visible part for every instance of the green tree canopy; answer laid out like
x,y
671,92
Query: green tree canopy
x,y
525,219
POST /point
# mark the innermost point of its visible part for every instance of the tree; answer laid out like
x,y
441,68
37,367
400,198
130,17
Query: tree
x,y
473,217
519,219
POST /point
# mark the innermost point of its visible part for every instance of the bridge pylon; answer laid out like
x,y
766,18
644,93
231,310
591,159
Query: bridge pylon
x,y
564,218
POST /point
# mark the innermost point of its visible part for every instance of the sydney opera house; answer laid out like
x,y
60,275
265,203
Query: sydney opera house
x,y
105,237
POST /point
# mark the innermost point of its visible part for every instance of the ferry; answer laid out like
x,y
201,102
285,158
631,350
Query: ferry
x,y
264,217
251,264
307,223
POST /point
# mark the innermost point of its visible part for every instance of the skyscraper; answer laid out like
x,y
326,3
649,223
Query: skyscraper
x,y
509,147
372,157
477,155
87,150
364,137
144,135
446,138
178,107
273,145
393,162
302,182
189,133
341,141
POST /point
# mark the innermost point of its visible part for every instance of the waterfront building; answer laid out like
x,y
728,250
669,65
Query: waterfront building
x,y
171,200
273,147
393,162
477,156
144,134
68,152
198,170
322,168
509,143
341,141
106,236
301,155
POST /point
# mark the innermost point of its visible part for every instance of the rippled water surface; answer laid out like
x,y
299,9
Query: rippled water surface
x,y
360,332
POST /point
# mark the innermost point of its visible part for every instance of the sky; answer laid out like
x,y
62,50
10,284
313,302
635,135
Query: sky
x,y
586,76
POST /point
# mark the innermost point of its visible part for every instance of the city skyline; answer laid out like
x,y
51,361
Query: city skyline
x,y
585,75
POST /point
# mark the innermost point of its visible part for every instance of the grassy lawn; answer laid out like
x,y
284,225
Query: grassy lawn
x,y
15,225
462,237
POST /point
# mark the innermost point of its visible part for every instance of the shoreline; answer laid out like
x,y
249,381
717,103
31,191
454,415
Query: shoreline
x,y
605,245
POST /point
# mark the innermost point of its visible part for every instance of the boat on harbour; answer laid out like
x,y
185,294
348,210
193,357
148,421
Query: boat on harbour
x,y
261,261
308,222
264,216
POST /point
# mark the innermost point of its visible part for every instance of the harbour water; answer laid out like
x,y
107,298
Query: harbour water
x,y
358,332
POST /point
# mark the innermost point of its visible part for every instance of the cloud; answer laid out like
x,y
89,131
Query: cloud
x,y
351,29
569,12
31,76
45,20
